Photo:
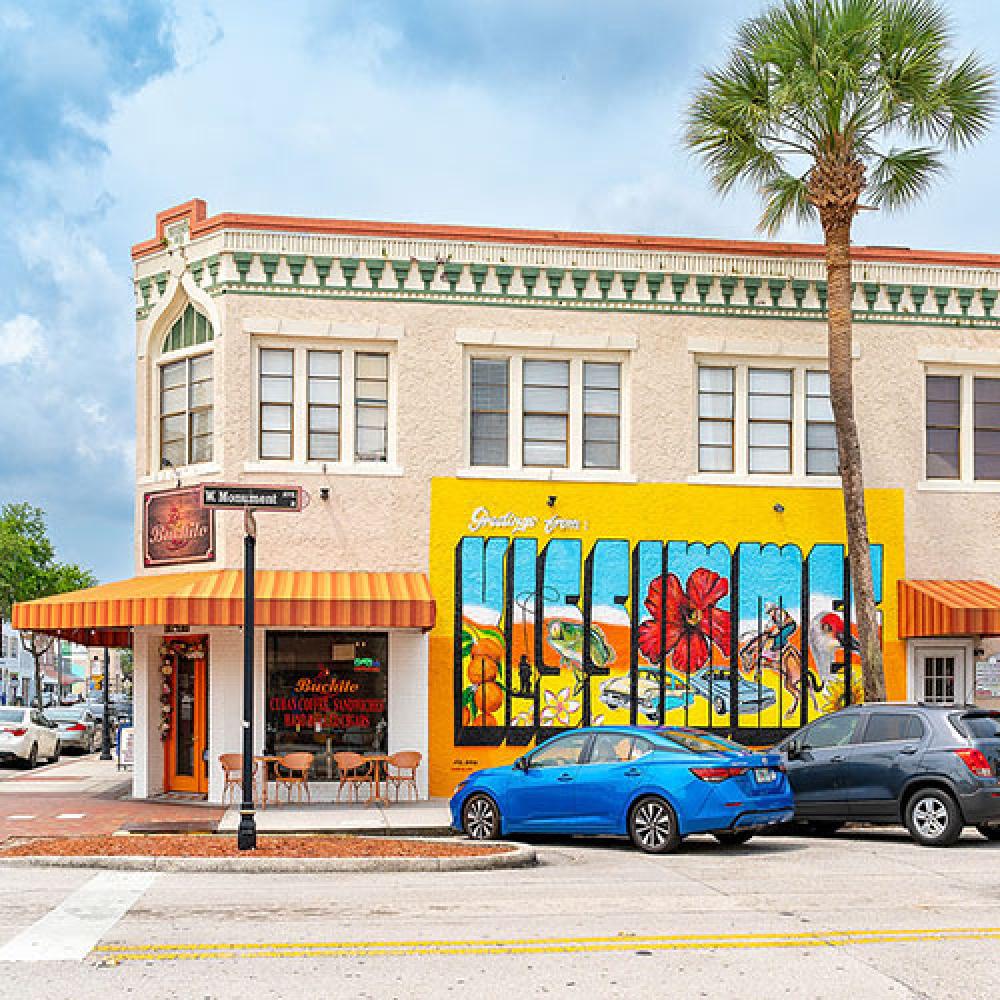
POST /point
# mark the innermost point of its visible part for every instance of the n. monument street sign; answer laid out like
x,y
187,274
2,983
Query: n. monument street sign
x,y
241,497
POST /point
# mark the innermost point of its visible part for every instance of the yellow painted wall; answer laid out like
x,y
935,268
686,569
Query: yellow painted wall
x,y
635,512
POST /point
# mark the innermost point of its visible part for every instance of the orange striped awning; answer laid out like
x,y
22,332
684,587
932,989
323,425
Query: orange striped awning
x,y
948,607
284,599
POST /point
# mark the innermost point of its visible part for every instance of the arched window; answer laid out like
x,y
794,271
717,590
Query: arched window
x,y
192,328
186,390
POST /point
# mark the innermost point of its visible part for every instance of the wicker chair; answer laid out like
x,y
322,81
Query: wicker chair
x,y
292,771
402,772
232,773
353,771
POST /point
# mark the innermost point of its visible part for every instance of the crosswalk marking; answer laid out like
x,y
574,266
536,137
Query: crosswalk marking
x,y
71,815
22,816
69,932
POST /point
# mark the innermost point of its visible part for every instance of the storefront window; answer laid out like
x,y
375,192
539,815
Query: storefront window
x,y
326,692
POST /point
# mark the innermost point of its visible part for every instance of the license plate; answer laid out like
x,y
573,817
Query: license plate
x,y
763,775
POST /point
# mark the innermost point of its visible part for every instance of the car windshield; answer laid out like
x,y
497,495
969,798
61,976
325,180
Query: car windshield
x,y
11,715
978,726
64,713
701,742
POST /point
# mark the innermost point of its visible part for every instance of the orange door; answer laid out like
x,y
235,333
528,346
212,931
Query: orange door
x,y
186,767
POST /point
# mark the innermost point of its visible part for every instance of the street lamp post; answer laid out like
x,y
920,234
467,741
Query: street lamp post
x,y
246,835
106,723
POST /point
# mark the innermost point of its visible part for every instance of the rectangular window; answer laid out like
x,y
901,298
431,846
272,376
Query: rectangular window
x,y
601,415
944,421
769,429
545,396
987,428
490,405
323,389
276,403
715,419
371,407
821,433
186,411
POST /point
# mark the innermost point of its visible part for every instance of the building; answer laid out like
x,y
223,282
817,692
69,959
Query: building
x,y
16,669
551,478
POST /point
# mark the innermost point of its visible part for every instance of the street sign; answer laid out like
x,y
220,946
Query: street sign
x,y
242,497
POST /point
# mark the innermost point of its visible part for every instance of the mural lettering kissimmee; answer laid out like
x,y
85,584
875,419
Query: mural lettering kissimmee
x,y
645,604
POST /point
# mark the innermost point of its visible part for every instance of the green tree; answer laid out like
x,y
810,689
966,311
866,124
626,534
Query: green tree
x,y
29,570
828,107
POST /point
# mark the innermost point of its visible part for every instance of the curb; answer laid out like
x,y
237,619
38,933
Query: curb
x,y
519,857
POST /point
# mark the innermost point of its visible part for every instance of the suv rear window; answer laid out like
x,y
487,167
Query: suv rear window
x,y
889,727
11,715
985,726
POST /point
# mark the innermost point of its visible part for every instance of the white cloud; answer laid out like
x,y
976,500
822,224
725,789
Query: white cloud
x,y
21,340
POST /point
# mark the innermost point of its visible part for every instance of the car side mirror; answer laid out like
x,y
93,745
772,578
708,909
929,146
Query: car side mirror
x,y
521,764
794,751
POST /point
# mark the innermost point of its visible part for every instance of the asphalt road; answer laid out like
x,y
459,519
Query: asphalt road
x,y
863,915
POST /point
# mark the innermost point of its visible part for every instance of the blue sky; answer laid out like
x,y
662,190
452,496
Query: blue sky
x,y
543,113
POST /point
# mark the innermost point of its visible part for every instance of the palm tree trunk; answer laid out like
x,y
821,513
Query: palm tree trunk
x,y
838,263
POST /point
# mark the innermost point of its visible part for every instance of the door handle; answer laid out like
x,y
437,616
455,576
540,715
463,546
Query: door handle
x,y
565,777
837,758
633,772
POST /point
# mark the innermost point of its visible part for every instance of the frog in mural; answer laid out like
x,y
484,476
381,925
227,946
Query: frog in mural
x,y
566,638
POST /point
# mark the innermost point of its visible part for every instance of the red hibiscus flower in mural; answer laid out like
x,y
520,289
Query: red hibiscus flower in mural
x,y
693,621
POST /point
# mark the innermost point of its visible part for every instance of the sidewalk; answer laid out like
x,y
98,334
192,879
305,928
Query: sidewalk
x,y
84,796
426,818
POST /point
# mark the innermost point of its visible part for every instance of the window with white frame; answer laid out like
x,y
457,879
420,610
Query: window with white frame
x,y
186,411
542,412
317,404
962,426
765,419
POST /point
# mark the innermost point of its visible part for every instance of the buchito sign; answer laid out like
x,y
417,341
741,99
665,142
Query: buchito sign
x,y
176,528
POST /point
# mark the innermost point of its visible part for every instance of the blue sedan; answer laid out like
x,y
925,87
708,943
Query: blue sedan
x,y
655,786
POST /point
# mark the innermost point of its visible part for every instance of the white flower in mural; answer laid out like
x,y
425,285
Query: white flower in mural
x,y
559,707
522,719
597,721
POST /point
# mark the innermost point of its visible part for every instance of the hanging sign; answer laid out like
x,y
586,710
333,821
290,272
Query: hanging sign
x,y
177,528
988,678
241,496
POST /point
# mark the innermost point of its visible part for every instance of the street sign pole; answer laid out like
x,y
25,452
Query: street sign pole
x,y
246,837
240,496
106,698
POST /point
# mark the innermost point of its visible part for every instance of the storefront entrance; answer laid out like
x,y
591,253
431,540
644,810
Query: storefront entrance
x,y
327,692
184,701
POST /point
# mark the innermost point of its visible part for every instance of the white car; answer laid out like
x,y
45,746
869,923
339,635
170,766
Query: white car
x,y
26,734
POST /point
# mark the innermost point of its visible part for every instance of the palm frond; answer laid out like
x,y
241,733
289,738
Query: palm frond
x,y
902,176
785,197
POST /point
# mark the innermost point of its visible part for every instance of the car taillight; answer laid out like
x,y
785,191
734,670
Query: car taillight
x,y
715,774
77,727
976,762
15,732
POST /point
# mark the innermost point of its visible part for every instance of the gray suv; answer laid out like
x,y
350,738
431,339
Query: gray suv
x,y
932,767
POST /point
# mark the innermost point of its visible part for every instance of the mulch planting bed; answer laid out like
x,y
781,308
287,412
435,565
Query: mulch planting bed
x,y
268,846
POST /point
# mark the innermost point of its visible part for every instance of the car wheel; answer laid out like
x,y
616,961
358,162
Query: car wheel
x,y
57,753
933,818
732,838
720,705
988,831
481,818
652,826
32,757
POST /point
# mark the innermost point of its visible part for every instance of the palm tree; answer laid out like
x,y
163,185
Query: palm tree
x,y
828,107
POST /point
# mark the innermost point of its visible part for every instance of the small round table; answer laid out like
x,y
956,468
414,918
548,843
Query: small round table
x,y
379,762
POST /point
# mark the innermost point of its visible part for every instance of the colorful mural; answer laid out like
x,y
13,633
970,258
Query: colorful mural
x,y
695,605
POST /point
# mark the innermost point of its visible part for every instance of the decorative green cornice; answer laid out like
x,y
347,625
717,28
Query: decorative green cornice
x,y
296,265
323,267
603,289
270,262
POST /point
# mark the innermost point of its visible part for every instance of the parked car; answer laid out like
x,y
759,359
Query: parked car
x,y
77,727
932,767
713,684
26,734
121,707
655,786
617,693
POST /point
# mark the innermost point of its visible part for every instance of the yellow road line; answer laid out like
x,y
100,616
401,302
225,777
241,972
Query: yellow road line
x,y
681,942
